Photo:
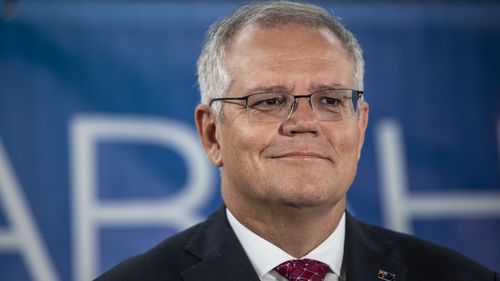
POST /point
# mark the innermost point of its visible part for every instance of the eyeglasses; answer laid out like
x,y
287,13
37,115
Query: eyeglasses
x,y
328,104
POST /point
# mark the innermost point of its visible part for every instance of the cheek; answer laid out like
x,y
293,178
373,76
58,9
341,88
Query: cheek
x,y
243,143
344,140
250,146
340,134
350,141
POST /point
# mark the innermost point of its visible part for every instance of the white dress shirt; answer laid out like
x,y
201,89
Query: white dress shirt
x,y
265,256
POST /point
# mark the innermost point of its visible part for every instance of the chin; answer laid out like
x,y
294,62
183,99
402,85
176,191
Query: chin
x,y
305,197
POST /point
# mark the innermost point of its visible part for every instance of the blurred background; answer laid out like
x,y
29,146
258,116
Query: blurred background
x,y
99,158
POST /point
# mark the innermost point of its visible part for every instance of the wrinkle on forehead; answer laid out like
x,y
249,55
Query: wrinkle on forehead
x,y
281,88
266,39
284,55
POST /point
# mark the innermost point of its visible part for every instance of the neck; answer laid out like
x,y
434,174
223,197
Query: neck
x,y
296,230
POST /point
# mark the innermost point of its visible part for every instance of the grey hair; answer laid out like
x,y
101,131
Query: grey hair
x,y
213,78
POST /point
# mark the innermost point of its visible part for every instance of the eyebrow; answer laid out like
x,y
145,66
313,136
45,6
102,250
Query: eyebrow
x,y
321,87
268,89
283,89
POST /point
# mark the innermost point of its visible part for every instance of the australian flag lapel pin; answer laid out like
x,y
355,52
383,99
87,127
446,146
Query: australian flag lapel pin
x,y
386,276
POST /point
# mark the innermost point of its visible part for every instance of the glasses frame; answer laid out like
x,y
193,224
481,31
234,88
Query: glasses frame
x,y
356,96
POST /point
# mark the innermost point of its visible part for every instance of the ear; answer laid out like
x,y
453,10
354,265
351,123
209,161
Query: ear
x,y
206,125
362,124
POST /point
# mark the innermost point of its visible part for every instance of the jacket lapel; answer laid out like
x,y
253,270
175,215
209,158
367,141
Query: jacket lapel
x,y
366,255
222,256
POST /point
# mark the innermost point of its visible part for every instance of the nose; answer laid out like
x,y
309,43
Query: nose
x,y
301,109
301,119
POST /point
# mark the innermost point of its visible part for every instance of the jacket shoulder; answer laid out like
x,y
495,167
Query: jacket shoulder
x,y
166,259
424,258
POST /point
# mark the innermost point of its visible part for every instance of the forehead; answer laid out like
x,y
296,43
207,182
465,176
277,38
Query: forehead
x,y
287,55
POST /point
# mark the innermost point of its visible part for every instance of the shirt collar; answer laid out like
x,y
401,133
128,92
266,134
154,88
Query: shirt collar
x,y
264,255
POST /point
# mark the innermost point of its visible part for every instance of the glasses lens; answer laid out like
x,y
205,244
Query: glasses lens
x,y
332,105
328,105
269,107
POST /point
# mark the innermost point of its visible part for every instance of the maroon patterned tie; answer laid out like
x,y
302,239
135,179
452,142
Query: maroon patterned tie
x,y
303,270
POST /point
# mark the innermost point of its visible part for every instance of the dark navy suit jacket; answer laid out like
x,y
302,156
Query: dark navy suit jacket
x,y
210,251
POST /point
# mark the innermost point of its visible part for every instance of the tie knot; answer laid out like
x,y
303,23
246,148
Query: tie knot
x,y
303,270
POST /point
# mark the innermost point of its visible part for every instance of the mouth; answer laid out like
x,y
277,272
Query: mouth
x,y
300,155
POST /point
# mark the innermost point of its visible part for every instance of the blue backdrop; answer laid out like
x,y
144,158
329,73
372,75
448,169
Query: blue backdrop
x,y
99,158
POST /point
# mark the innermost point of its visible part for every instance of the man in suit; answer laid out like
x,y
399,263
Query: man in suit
x,y
284,118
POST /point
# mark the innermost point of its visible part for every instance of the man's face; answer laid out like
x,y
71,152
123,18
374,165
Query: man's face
x,y
300,161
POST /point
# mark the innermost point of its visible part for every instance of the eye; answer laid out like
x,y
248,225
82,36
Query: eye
x,y
267,101
273,101
331,101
